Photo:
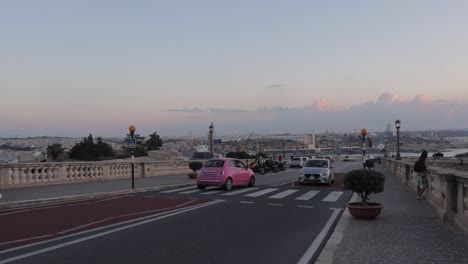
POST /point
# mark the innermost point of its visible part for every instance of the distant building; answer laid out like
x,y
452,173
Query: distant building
x,y
309,140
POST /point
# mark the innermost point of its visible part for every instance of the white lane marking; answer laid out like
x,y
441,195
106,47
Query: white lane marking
x,y
307,196
192,191
282,194
332,197
262,192
16,212
210,192
306,206
245,202
319,239
179,189
24,239
241,191
108,199
273,204
105,233
79,227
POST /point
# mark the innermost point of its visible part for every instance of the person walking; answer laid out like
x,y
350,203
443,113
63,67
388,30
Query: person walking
x,y
420,166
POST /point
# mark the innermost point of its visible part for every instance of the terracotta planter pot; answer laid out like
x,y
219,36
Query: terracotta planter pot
x,y
371,211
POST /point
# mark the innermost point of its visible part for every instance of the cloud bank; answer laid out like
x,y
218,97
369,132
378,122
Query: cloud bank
x,y
418,113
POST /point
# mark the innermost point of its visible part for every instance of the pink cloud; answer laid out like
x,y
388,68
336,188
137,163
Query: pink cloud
x,y
421,98
321,105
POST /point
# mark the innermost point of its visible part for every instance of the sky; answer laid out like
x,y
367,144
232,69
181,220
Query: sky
x,y
71,68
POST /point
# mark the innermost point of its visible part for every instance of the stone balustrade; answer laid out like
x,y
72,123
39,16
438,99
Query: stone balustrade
x,y
447,189
34,174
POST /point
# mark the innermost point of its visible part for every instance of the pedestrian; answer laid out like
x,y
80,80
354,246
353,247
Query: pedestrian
x,y
420,166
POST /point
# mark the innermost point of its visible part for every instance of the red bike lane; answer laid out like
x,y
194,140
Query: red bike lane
x,y
21,226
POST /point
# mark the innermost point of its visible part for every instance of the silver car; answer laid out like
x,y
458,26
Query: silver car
x,y
317,171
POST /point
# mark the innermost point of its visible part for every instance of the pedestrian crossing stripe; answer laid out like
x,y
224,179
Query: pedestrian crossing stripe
x,y
307,196
178,189
283,194
262,192
331,197
240,191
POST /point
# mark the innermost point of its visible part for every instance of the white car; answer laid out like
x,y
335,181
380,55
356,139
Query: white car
x,y
317,171
298,162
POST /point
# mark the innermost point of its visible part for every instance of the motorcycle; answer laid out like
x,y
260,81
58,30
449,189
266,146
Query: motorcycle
x,y
257,167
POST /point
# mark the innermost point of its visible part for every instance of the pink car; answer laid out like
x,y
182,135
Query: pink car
x,y
226,172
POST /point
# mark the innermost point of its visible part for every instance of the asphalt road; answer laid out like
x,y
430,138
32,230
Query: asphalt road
x,y
274,222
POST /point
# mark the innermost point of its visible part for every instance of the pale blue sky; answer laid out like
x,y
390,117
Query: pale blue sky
x,y
71,68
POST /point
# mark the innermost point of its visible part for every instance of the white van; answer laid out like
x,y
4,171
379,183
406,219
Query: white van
x,y
298,162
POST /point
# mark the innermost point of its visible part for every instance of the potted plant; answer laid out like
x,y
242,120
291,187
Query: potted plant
x,y
364,182
194,166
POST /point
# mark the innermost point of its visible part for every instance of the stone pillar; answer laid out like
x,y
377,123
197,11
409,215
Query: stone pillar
x,y
4,179
106,171
407,174
450,193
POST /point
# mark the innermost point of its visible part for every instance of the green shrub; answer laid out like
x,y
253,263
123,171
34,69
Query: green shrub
x,y
364,182
195,165
370,164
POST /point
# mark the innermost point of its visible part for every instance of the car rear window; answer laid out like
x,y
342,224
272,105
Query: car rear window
x,y
214,164
296,159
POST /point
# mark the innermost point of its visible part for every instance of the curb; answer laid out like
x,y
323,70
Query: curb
x,y
328,252
89,196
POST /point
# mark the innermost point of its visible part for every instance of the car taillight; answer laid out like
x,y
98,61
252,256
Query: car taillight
x,y
221,173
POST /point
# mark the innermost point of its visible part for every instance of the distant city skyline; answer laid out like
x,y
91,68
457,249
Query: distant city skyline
x,y
73,68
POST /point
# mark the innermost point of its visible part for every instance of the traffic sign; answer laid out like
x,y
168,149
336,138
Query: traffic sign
x,y
131,142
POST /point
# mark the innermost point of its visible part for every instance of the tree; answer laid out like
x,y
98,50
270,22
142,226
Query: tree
x,y
54,150
102,149
154,142
86,150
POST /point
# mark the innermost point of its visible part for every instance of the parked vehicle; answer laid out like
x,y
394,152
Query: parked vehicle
x,y
317,171
298,162
226,172
349,158
257,166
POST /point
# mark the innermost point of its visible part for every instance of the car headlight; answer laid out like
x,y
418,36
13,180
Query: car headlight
x,y
301,173
221,173
325,173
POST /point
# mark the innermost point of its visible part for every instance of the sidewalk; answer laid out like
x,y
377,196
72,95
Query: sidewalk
x,y
407,231
17,196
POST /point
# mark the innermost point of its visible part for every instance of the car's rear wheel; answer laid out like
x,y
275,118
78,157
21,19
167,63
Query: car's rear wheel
x,y
228,184
251,181
201,187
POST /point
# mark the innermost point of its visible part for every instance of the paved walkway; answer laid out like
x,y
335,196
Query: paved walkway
x,y
66,191
407,231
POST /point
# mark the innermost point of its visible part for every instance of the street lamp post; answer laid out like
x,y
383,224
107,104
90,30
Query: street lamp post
x,y
132,129
386,150
282,141
363,134
397,125
210,139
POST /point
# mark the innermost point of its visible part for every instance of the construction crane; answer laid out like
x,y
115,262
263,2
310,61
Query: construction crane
x,y
243,142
